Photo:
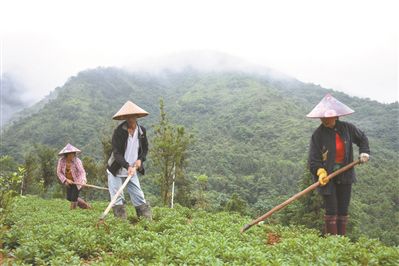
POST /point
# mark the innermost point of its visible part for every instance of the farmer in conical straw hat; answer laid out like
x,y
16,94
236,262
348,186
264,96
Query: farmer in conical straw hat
x,y
129,151
330,149
69,170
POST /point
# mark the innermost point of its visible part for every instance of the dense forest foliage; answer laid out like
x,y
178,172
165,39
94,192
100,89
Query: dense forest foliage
x,y
249,150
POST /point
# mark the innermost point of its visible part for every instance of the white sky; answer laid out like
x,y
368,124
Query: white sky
x,y
349,46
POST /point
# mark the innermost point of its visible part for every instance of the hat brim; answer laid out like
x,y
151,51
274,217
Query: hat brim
x,y
64,153
316,116
124,117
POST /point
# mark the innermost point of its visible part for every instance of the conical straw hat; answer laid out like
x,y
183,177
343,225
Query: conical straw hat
x,y
68,149
129,108
330,107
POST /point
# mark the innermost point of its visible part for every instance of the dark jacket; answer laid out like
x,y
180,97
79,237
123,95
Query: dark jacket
x,y
322,151
119,143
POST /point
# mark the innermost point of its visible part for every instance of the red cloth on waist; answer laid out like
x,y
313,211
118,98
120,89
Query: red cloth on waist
x,y
339,149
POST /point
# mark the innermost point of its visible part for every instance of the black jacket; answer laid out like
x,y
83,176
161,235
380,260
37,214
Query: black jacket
x,y
322,151
119,143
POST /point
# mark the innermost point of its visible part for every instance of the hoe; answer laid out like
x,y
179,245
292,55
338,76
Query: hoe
x,y
296,196
87,185
101,221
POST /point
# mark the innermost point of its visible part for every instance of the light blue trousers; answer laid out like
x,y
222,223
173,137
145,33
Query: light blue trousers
x,y
133,188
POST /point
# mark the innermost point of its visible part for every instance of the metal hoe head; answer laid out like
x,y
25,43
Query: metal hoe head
x,y
101,223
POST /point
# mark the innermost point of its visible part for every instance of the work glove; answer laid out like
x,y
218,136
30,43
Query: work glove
x,y
364,157
322,174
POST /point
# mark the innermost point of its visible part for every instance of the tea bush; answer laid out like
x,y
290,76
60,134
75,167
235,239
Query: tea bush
x,y
46,232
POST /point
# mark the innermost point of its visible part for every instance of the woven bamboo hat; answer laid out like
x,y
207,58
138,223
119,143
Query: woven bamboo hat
x,y
128,109
329,107
68,149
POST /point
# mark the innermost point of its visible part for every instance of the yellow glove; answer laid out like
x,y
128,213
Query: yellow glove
x,y
322,174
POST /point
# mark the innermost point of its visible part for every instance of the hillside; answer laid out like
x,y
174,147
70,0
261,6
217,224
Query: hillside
x,y
251,134
231,105
45,232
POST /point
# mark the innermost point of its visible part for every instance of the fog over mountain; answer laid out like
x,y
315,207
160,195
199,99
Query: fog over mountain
x,y
31,89
12,98
19,91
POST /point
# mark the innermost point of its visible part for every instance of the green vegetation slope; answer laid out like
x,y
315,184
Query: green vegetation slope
x,y
45,232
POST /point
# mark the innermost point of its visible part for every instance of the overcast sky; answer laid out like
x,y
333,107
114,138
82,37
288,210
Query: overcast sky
x,y
349,46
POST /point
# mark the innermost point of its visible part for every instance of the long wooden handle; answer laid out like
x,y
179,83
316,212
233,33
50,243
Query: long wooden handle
x,y
88,185
296,196
113,200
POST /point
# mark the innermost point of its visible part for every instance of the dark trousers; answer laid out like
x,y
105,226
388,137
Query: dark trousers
x,y
337,202
72,193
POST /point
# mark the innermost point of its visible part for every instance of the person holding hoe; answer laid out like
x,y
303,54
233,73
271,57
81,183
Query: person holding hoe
x,y
330,149
129,151
71,173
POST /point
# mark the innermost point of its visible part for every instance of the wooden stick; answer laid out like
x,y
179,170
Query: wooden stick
x,y
296,196
87,185
113,200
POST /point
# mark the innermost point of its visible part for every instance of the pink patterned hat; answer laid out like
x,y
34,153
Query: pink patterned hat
x,y
68,149
330,107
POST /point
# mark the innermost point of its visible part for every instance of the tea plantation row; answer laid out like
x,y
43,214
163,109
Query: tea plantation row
x,y
46,232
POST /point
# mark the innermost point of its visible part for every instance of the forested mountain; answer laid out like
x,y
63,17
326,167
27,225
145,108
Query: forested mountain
x,y
251,134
